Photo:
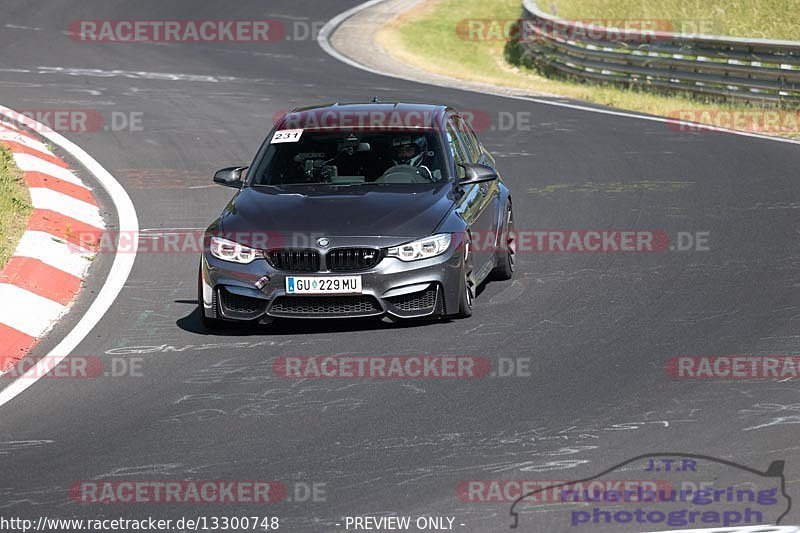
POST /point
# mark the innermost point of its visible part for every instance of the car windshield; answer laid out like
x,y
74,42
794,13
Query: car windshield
x,y
305,157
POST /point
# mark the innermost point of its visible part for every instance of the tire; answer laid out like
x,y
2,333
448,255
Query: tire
x,y
208,323
211,324
467,290
505,256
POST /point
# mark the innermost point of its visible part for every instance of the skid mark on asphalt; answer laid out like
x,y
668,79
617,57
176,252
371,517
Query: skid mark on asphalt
x,y
554,449
445,469
250,53
277,402
51,496
243,96
513,154
771,415
137,75
161,178
487,329
768,206
535,453
19,27
154,321
11,446
616,187
177,348
414,388
779,421
690,317
230,371
514,291
583,274
158,469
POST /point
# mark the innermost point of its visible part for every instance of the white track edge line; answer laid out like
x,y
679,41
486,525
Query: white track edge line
x,y
331,26
117,276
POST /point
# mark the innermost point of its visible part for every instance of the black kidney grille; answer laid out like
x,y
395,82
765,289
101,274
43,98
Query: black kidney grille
x,y
349,259
294,260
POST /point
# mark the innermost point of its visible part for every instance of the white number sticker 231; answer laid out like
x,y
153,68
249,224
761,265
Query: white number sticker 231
x,y
286,136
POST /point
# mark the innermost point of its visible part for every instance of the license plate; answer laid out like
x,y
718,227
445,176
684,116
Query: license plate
x,y
323,285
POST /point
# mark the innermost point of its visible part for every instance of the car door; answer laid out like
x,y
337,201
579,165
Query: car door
x,y
488,199
473,202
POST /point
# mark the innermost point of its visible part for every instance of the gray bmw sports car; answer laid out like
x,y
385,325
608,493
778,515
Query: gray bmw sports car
x,y
357,210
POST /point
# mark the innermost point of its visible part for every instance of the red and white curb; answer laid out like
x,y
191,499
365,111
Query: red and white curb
x,y
40,281
128,224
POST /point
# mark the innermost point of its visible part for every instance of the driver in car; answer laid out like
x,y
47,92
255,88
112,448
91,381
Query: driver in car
x,y
409,151
412,151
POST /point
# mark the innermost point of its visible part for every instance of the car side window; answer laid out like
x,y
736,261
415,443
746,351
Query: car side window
x,y
455,147
469,139
475,142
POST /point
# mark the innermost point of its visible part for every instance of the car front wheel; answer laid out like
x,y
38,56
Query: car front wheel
x,y
467,291
208,323
506,254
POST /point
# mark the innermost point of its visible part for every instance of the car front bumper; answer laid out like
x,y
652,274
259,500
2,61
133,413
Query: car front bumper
x,y
400,289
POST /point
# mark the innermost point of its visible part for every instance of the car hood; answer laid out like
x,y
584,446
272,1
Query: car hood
x,y
399,211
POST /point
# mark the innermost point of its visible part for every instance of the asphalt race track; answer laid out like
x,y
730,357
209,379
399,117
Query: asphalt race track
x,y
596,328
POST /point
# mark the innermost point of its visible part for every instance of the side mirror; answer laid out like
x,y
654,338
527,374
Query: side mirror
x,y
475,173
230,177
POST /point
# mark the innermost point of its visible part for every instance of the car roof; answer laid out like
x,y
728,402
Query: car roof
x,y
372,115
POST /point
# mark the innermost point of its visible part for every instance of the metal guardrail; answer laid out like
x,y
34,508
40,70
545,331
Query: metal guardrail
x,y
727,68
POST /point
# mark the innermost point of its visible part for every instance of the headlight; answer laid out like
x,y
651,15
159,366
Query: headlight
x,y
233,251
422,248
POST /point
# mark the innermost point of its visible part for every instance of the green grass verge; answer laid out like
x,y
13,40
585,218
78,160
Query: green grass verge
x,y
427,38
15,206
764,19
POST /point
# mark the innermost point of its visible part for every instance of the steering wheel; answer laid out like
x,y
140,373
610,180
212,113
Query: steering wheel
x,y
430,174
405,174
